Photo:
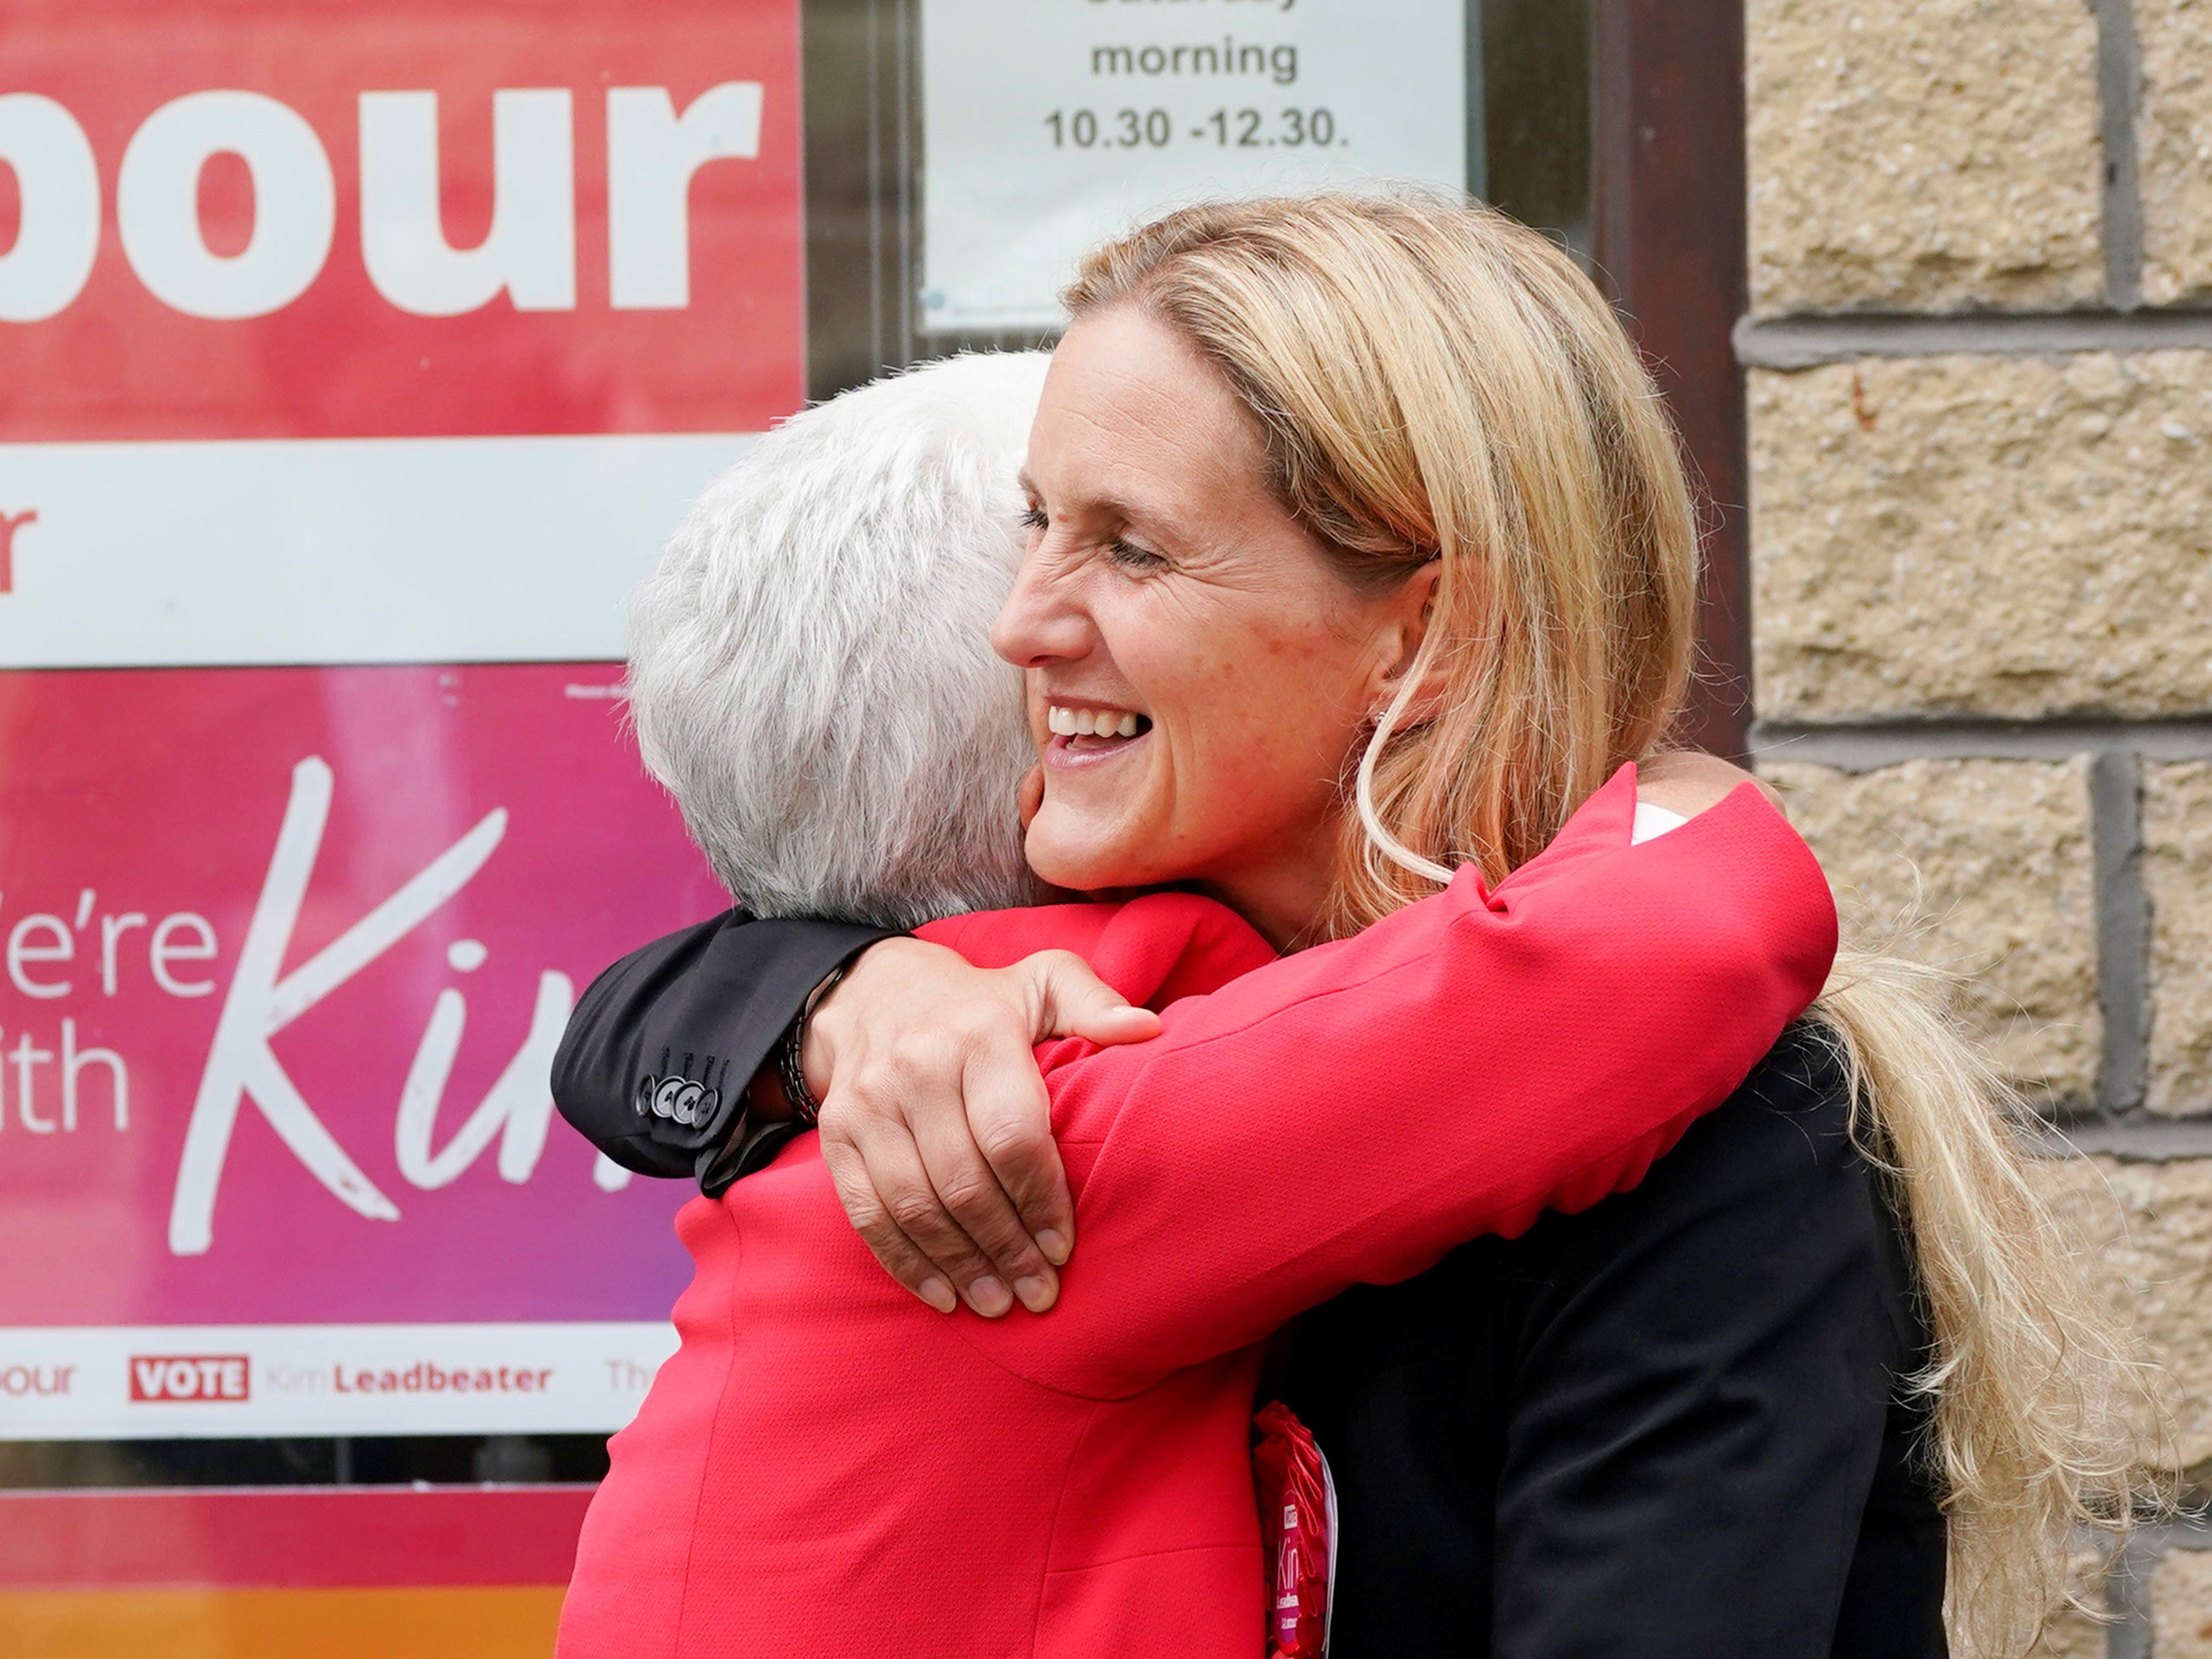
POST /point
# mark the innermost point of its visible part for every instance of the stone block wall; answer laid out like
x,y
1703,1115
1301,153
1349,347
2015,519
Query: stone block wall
x,y
2178,878
2039,526
1982,866
2174,140
1922,154
1979,397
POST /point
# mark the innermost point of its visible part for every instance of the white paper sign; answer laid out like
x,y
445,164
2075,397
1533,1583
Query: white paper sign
x,y
234,551
1050,124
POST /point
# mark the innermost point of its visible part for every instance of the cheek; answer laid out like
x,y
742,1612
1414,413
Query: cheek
x,y
1255,707
1266,739
1299,686
1256,737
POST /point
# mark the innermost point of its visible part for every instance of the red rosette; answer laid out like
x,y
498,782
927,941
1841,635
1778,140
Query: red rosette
x,y
1298,1531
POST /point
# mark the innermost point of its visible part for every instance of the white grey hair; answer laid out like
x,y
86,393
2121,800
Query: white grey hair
x,y
810,673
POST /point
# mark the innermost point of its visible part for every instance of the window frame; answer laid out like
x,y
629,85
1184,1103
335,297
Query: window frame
x,y
1666,108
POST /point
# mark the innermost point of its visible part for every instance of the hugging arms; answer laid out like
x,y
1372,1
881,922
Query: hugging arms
x,y
1640,1428
1241,685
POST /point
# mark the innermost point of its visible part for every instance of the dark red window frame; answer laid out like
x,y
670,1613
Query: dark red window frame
x,y
1668,115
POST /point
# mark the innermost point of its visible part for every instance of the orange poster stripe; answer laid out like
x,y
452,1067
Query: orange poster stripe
x,y
503,1622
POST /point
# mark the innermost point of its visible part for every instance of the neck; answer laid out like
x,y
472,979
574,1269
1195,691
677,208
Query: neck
x,y
1280,889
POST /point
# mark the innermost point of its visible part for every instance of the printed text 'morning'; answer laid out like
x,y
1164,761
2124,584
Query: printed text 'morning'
x,y
1279,63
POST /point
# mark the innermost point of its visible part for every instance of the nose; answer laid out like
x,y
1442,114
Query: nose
x,y
1043,621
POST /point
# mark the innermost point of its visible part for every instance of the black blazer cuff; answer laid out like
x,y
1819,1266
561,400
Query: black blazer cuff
x,y
728,1016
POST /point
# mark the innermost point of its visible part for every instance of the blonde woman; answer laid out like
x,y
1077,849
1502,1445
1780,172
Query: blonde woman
x,y
1361,556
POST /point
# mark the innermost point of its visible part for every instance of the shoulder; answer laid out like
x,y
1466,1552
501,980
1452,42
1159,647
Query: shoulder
x,y
1152,949
1777,1167
1794,1112
1211,944
1802,1080
1765,1224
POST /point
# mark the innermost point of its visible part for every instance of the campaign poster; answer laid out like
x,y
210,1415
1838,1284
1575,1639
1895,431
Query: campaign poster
x,y
358,359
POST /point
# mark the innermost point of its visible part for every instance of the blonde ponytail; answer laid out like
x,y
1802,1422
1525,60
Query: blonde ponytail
x,y
2039,1410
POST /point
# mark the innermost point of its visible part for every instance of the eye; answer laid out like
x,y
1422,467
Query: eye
x,y
1034,518
1130,557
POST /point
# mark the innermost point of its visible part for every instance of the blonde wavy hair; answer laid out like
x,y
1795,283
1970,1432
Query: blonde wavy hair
x,y
1436,383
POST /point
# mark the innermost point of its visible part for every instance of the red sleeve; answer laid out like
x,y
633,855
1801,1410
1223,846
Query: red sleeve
x,y
1350,1113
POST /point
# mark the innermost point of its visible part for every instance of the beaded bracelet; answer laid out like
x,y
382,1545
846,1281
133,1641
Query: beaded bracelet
x,y
791,1054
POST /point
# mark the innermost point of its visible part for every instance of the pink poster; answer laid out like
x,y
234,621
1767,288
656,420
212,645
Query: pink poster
x,y
359,360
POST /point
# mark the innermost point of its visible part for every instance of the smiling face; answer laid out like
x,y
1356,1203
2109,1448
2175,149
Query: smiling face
x,y
1200,677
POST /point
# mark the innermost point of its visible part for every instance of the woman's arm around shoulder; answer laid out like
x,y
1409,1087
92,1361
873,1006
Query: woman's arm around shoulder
x,y
918,1048
1351,1112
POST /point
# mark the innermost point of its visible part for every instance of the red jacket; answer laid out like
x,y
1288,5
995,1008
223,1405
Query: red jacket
x,y
828,1468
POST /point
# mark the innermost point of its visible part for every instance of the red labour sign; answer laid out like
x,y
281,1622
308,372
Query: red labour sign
x,y
574,219
425,321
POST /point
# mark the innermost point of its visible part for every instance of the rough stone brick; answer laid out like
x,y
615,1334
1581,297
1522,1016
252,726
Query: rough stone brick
x,y
2181,1605
2173,147
1984,535
1924,155
1994,855
2148,1233
2177,833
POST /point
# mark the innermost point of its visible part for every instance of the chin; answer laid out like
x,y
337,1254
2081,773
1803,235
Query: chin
x,y
1079,861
